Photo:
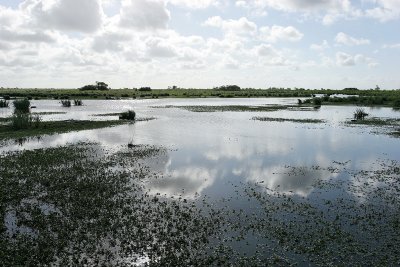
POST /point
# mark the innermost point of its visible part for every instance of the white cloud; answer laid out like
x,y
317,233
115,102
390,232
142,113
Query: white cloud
x,y
68,15
320,47
144,14
194,4
386,10
343,59
342,38
241,26
278,33
158,48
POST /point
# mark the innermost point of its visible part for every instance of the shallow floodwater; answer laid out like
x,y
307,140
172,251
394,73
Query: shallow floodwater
x,y
212,153
210,149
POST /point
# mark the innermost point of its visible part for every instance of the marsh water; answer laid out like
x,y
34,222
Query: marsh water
x,y
228,158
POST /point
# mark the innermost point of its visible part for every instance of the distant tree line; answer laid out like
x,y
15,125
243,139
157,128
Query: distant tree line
x,y
227,88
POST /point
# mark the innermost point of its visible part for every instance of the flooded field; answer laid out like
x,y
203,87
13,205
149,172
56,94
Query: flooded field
x,y
206,182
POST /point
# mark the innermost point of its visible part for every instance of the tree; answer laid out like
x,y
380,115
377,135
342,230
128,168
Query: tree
x,y
102,86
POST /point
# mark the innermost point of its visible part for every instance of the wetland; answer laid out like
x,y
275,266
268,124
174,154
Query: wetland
x,y
201,182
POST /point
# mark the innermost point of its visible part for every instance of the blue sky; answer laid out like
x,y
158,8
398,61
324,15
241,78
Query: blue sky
x,y
200,43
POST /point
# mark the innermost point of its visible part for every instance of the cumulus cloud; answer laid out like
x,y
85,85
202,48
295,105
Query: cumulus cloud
x,y
343,59
194,4
278,33
320,47
69,15
157,47
231,26
25,36
144,14
385,11
342,38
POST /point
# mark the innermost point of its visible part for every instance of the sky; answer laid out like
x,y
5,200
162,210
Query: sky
x,y
200,43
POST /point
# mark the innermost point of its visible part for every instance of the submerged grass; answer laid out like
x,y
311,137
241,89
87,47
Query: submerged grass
x,y
288,120
52,127
82,205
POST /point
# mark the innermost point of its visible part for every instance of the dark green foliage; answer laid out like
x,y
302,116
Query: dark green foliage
x,y
88,87
360,114
228,88
129,115
66,103
78,102
144,89
317,101
396,103
4,103
21,105
102,86
20,121
299,101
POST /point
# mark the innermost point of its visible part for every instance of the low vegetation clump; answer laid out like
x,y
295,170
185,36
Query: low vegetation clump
x,y
78,102
66,103
396,104
288,120
20,121
27,125
129,115
360,114
317,101
21,105
4,103
100,86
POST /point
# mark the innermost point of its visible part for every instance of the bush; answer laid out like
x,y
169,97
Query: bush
x,y
317,101
129,115
22,120
21,106
360,114
78,102
66,103
396,103
3,104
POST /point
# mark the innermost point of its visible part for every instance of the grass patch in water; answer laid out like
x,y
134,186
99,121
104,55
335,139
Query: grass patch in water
x,y
49,113
376,122
52,127
233,108
288,120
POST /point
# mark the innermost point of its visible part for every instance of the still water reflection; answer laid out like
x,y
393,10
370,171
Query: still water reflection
x,y
209,149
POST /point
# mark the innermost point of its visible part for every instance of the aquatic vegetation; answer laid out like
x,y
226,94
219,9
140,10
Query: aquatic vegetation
x,y
4,103
288,120
20,121
78,102
31,125
233,108
359,114
317,101
66,103
129,115
21,105
65,207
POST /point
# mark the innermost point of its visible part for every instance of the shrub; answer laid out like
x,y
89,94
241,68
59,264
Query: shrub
x,y
317,101
78,102
3,104
360,114
299,101
396,103
129,115
22,120
21,106
66,103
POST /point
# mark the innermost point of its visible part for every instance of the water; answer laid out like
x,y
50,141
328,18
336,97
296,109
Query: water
x,y
219,154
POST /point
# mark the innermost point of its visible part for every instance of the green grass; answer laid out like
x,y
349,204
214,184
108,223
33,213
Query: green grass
x,y
52,127
288,120
376,122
